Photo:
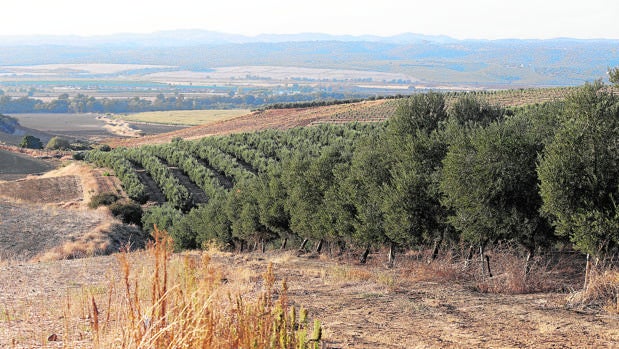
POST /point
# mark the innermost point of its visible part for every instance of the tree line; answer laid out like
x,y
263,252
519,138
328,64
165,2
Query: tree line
x,y
471,174
81,103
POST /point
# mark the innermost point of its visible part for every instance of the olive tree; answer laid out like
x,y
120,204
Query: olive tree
x,y
579,171
31,142
613,75
58,143
490,181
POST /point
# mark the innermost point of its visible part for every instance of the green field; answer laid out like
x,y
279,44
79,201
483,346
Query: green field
x,y
184,117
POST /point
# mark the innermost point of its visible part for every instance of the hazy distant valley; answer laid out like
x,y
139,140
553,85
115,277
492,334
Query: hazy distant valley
x,y
201,63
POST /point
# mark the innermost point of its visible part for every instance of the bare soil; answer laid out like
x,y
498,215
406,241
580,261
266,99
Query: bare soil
x,y
155,195
44,190
17,165
46,217
358,306
197,193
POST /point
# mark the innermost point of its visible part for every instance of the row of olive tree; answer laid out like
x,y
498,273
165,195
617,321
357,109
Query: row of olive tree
x,y
471,174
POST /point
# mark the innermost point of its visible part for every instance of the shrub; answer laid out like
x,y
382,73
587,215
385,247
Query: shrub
x,y
105,199
79,156
600,291
57,143
31,142
128,212
105,147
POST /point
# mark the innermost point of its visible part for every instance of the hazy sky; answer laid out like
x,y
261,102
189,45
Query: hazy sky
x,y
460,19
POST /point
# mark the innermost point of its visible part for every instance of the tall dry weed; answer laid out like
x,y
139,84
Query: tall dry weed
x,y
601,290
445,268
179,303
512,273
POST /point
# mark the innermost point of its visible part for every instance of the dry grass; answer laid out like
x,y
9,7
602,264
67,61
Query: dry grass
x,y
359,306
445,269
185,117
547,273
71,185
119,127
182,303
600,291
64,189
552,272
29,232
107,238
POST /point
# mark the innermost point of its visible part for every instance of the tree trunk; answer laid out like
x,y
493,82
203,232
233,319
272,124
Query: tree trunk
x,y
342,247
319,246
303,244
435,249
364,256
586,285
527,263
469,257
284,243
391,256
488,266
263,245
483,261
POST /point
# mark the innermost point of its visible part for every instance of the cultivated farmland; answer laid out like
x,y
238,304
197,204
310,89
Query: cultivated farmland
x,y
184,117
327,184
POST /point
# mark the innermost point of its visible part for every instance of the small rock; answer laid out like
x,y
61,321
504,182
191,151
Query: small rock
x,y
52,338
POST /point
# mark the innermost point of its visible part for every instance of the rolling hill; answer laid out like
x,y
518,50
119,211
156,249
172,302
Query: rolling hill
x,y
433,60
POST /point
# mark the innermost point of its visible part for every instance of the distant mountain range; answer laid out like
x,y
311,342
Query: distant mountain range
x,y
436,60
179,38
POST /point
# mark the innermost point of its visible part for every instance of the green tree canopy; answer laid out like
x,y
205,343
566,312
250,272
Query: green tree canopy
x,y
31,142
418,112
469,110
613,75
579,170
58,143
413,212
490,182
307,180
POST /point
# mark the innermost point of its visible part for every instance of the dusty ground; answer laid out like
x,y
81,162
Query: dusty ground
x,y
359,306
46,217
71,185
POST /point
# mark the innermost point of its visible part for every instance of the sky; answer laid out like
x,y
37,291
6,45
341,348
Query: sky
x,y
464,19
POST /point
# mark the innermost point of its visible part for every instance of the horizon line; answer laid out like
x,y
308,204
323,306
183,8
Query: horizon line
x,y
305,33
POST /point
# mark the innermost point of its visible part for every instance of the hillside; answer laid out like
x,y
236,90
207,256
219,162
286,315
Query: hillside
x,y
414,300
44,217
274,119
366,111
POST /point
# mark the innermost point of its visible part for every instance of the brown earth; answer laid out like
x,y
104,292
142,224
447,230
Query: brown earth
x,y
71,185
358,306
46,217
44,190
272,119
